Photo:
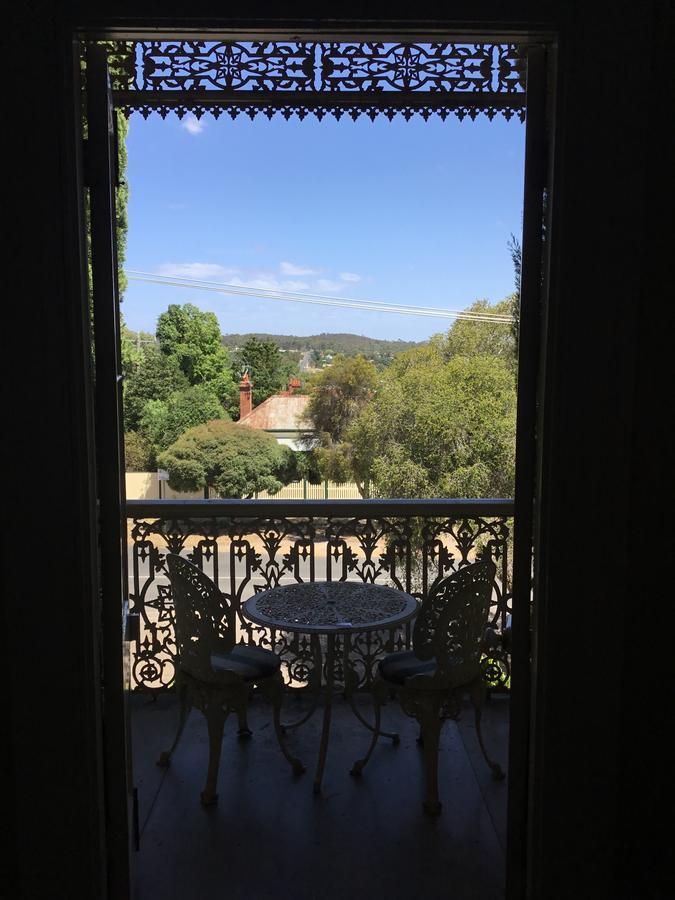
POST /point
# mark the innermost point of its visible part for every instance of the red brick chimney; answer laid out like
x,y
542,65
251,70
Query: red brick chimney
x,y
293,386
245,396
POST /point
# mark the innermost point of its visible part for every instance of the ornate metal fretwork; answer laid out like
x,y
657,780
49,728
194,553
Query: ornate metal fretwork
x,y
296,78
249,555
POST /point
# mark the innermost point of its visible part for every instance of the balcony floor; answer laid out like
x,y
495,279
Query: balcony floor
x,y
271,837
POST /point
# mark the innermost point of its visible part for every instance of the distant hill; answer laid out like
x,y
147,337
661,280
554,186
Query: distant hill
x,y
378,350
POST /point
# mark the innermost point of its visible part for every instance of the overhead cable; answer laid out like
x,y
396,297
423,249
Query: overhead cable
x,y
316,299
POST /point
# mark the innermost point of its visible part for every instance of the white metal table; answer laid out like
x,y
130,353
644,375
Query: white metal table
x,y
330,609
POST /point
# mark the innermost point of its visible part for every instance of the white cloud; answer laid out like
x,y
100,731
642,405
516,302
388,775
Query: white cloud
x,y
269,282
254,280
287,268
198,270
261,282
351,277
192,124
326,285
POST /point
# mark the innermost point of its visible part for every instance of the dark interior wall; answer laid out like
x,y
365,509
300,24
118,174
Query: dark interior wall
x,y
604,457
52,697
643,845
603,451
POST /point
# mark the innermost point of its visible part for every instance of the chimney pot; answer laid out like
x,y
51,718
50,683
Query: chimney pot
x,y
245,396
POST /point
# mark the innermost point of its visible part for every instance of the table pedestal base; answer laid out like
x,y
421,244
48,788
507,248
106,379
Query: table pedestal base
x,y
350,685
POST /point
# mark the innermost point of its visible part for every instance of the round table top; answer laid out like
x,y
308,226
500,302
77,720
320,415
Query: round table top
x,y
330,607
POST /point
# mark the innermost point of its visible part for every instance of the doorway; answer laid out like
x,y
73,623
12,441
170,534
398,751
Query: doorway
x,y
531,284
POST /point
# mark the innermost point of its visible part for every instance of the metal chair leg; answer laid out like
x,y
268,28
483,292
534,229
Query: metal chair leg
x,y
216,717
431,730
360,764
477,694
275,691
184,711
243,731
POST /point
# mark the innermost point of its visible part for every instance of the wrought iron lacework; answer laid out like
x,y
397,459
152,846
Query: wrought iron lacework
x,y
244,556
319,77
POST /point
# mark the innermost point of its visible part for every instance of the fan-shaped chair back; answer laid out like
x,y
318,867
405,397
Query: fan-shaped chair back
x,y
451,622
205,617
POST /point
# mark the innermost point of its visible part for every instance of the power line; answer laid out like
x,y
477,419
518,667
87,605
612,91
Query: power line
x,y
317,299
264,293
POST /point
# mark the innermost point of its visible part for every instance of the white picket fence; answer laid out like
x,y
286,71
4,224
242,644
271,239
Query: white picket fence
x,y
146,486
303,490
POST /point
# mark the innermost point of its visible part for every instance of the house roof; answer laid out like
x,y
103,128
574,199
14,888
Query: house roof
x,y
279,413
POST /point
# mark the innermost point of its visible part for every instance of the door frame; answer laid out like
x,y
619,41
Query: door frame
x,y
531,394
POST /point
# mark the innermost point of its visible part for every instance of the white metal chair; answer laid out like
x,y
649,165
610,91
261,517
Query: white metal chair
x,y
444,664
213,673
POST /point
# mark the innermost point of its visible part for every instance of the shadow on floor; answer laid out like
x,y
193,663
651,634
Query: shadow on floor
x,y
271,837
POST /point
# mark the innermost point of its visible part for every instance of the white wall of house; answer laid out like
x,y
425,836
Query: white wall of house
x,y
145,486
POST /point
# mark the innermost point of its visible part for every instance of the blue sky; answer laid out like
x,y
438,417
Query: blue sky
x,y
407,212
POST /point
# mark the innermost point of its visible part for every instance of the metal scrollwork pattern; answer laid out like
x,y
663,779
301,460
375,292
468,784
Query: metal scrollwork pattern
x,y
245,556
299,78
438,67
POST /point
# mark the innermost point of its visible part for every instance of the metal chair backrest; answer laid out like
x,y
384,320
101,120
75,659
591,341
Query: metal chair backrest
x,y
451,622
205,617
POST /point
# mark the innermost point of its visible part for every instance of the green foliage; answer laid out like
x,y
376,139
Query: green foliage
x,y
290,368
234,460
307,466
338,394
347,461
380,352
516,252
131,357
437,428
153,376
121,229
193,338
121,200
163,421
302,464
466,338
267,368
138,452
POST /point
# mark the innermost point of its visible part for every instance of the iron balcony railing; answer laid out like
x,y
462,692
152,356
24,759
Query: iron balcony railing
x,y
252,545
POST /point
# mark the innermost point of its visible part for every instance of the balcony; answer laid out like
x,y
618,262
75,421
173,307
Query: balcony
x,y
359,835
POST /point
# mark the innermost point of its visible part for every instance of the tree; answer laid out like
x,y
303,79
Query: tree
x,y
301,464
131,357
138,452
516,252
307,466
234,460
193,338
268,370
438,428
151,375
337,395
467,338
163,421
121,201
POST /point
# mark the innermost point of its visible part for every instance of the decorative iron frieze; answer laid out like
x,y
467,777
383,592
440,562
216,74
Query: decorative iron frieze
x,y
435,67
246,555
321,111
299,78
